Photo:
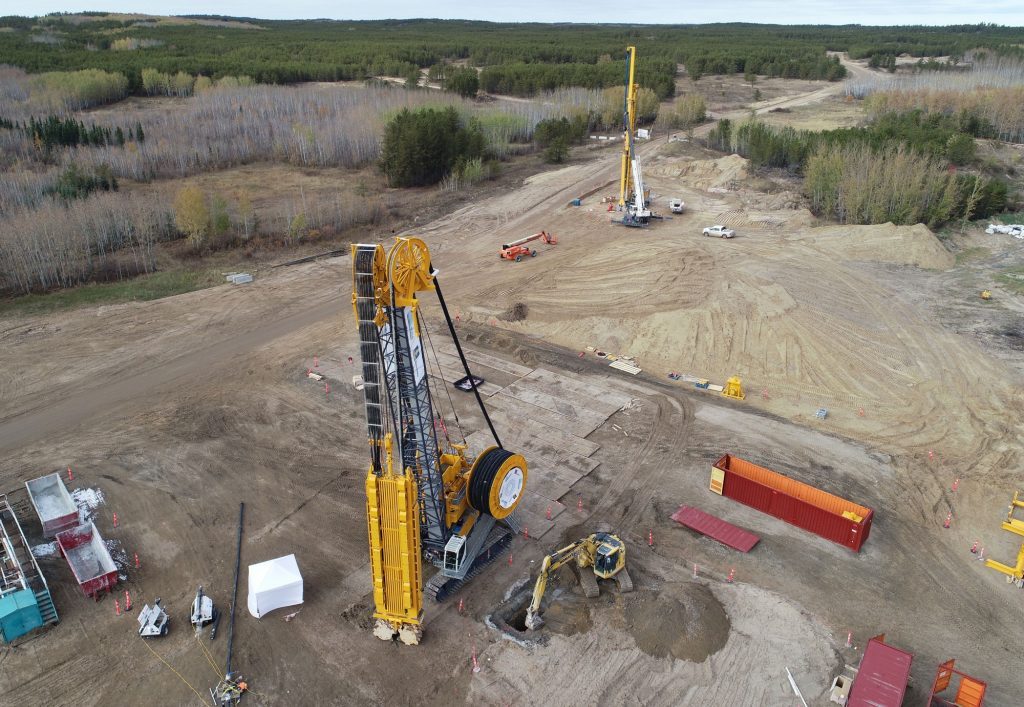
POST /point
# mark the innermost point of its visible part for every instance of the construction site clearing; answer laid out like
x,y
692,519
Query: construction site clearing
x,y
174,411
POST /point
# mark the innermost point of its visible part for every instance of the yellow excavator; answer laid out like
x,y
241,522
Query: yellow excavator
x,y
605,553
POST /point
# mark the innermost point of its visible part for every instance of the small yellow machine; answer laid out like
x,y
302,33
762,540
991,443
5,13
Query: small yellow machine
x,y
985,294
734,388
603,552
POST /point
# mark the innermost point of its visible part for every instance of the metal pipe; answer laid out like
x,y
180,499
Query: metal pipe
x,y
234,593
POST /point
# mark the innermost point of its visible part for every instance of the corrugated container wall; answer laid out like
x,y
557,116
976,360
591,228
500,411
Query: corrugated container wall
x,y
795,502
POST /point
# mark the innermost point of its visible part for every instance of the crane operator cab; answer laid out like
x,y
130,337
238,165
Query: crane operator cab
x,y
610,556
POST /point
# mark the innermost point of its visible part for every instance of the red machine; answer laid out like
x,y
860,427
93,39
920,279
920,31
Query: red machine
x,y
517,250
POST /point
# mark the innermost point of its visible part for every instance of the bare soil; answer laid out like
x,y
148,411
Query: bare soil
x,y
686,622
178,409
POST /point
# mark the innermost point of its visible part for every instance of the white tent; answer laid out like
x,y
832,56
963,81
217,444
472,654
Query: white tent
x,y
274,584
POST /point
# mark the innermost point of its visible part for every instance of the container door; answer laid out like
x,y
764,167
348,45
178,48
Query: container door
x,y
943,676
853,540
971,692
717,480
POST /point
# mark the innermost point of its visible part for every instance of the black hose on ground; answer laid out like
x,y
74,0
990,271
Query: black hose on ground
x,y
234,593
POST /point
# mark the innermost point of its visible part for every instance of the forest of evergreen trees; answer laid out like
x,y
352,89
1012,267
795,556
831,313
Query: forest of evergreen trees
x,y
294,51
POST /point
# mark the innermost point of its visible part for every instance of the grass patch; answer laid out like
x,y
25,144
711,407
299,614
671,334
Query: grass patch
x,y
968,255
1012,280
139,289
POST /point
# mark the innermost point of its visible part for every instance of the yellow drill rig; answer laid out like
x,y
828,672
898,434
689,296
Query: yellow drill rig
x,y
425,498
604,553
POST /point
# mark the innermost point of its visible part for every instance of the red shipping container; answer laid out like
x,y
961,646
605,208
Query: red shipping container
x,y
882,676
795,502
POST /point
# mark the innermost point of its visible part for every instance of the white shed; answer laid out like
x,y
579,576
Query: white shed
x,y
274,584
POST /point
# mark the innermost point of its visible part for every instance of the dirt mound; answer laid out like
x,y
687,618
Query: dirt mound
x,y
516,313
688,624
702,174
886,243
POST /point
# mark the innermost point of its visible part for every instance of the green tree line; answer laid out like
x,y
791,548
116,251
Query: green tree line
x,y
294,51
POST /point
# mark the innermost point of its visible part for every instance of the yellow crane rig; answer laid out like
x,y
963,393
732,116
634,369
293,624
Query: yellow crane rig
x,y
604,553
425,498
633,197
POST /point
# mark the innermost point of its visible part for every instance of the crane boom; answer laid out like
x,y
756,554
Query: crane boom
x,y
423,500
628,127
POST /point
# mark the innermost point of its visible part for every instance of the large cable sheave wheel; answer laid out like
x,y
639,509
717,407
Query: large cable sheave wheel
x,y
497,482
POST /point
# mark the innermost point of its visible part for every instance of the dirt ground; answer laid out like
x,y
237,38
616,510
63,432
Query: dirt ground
x,y
179,409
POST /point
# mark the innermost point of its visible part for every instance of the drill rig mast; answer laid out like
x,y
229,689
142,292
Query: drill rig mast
x,y
423,500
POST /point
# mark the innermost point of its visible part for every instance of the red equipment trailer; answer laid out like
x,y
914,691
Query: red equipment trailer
x,y
795,502
89,558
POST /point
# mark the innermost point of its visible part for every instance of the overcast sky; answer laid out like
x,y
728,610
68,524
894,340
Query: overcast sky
x,y
865,12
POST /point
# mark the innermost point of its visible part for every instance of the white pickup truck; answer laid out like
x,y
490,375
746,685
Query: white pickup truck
x,y
720,231
676,206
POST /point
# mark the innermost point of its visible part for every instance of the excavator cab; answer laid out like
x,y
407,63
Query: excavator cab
x,y
610,556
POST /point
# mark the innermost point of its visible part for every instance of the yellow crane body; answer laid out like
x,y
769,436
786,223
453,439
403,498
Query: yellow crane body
x,y
424,497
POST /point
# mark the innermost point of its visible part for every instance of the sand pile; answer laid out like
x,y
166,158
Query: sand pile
x,y
701,174
885,243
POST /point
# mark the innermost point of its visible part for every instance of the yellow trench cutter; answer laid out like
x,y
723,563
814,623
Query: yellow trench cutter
x,y
392,513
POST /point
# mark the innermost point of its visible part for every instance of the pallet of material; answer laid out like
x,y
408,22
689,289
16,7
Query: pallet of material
x,y
625,367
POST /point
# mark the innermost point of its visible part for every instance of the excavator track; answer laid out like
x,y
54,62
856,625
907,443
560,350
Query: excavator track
x,y
625,581
588,582
439,587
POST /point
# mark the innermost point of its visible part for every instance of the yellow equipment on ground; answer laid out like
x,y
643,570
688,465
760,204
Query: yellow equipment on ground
x,y
1013,574
605,553
424,497
985,294
1013,524
734,388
